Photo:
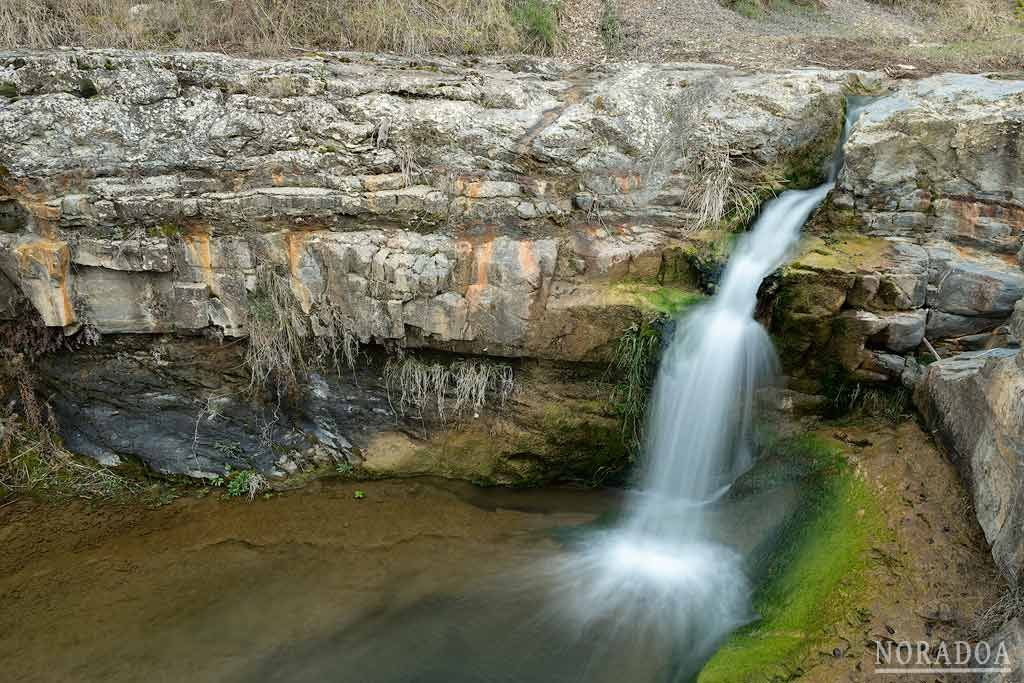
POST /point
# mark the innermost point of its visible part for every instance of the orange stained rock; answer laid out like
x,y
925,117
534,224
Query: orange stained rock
x,y
483,254
628,183
54,258
295,243
528,263
198,245
468,188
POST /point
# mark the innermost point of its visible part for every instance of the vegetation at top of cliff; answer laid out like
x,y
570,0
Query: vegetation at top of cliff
x,y
927,35
814,573
281,26
757,9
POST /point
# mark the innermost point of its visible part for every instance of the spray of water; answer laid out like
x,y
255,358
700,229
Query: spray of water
x,y
661,567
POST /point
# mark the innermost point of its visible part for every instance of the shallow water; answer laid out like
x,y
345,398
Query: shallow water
x,y
420,581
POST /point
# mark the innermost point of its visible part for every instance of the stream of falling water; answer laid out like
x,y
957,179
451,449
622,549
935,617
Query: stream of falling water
x,y
661,567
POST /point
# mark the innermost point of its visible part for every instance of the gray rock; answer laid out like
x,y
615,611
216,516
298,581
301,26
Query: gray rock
x,y
937,160
973,401
978,287
10,298
1016,324
949,325
182,409
1009,639
904,331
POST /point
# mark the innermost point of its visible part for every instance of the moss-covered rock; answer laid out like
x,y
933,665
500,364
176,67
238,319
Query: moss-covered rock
x,y
811,573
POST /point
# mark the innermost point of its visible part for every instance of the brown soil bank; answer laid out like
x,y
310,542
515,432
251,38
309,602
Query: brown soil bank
x,y
202,588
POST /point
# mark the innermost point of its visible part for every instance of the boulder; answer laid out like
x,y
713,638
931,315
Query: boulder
x,y
973,401
940,159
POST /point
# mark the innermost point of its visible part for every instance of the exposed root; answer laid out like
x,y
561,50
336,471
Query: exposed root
x,y
285,343
448,389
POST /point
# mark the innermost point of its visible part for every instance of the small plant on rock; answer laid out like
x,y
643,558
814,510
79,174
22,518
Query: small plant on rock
x,y
244,483
635,362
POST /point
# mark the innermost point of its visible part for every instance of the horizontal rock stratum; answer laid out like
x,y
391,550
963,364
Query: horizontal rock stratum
x,y
478,205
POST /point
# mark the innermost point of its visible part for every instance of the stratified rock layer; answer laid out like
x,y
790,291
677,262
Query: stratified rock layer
x,y
480,206
521,209
922,236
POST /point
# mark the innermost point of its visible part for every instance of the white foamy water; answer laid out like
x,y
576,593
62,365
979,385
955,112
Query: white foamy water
x,y
660,567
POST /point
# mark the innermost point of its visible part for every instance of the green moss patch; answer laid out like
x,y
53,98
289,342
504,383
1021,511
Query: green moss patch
x,y
668,300
844,252
814,574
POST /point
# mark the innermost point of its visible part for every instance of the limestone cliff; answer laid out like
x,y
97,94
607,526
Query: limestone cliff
x,y
517,209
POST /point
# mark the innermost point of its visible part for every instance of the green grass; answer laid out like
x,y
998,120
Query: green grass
x,y
635,364
537,24
814,580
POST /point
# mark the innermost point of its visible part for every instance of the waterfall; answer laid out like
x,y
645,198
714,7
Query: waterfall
x,y
660,569
651,598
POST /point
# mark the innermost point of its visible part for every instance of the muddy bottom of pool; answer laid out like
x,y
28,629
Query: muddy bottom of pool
x,y
420,580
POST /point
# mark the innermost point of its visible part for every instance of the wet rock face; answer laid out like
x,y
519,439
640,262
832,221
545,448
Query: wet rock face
x,y
185,406
921,238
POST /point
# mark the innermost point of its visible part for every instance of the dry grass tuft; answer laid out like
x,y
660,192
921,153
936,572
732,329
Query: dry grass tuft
x,y
723,185
447,389
959,19
1009,606
275,27
285,343
278,332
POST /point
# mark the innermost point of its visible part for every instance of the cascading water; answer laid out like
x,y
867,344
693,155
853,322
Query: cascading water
x,y
661,567
652,598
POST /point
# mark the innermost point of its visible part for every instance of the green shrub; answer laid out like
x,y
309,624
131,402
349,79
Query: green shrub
x,y
537,23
